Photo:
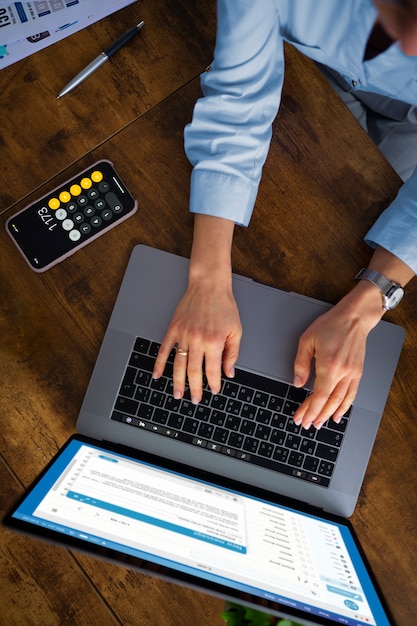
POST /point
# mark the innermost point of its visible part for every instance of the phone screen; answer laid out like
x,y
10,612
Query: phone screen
x,y
71,216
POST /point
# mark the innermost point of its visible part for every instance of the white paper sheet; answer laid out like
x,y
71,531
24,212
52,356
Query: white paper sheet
x,y
26,27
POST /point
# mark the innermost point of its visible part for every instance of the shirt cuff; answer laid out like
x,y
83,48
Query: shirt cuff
x,y
222,195
396,228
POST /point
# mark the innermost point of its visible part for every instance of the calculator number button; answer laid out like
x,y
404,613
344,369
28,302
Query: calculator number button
x,y
68,224
61,214
74,235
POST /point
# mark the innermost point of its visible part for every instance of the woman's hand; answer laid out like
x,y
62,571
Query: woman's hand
x,y
206,325
337,342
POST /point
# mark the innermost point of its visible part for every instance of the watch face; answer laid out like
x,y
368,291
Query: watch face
x,y
394,296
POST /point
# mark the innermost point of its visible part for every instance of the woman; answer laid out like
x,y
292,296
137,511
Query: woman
x,y
227,143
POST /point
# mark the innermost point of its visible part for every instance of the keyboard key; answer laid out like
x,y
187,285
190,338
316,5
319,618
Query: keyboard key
x,y
276,403
327,452
160,416
230,389
157,398
158,384
307,446
297,394
232,422
203,413
233,406
250,445
266,449
154,349
143,378
248,411
296,458
220,434
128,386
176,421
236,440
218,418
260,399
263,432
191,425
247,427
281,454
142,345
205,430
293,442
126,405
142,361
278,437
326,468
290,408
263,416
341,427
331,437
311,463
218,402
292,428
245,394
279,421
145,411
187,408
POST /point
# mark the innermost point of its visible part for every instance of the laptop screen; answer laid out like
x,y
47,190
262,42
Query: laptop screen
x,y
221,540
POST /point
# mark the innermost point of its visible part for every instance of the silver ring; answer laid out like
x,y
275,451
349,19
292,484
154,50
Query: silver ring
x,y
182,352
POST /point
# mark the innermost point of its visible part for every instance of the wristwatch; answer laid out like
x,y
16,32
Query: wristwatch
x,y
391,292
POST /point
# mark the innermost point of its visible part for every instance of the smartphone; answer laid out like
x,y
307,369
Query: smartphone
x,y
71,216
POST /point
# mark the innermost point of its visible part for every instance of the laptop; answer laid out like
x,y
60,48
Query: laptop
x,y
207,496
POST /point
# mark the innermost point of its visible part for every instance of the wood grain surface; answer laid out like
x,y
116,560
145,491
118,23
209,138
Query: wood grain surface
x,y
323,185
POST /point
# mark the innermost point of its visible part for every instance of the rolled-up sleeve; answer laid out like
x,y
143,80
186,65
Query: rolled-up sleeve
x,y
396,228
228,139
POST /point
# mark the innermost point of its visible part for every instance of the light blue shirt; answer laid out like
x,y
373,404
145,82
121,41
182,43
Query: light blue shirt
x,y
228,139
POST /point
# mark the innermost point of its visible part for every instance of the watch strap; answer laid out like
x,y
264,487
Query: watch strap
x,y
377,279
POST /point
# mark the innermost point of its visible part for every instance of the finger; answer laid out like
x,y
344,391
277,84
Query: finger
x,y
335,400
213,369
348,401
194,374
179,374
164,351
303,360
321,404
230,354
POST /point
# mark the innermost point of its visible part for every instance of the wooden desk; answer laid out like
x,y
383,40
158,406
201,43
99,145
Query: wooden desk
x,y
324,184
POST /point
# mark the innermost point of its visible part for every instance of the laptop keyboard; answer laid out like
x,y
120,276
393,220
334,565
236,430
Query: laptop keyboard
x,y
251,418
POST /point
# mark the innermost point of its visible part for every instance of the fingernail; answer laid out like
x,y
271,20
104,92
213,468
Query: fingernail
x,y
232,372
177,394
307,426
155,375
298,381
318,426
194,400
298,421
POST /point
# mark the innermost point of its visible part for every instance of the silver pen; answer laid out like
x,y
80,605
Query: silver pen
x,y
102,58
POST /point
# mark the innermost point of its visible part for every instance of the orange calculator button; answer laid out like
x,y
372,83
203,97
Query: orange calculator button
x,y
75,190
97,176
65,196
86,183
54,204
